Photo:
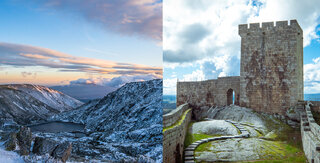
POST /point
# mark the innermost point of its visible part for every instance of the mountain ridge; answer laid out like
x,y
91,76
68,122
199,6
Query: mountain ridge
x,y
28,103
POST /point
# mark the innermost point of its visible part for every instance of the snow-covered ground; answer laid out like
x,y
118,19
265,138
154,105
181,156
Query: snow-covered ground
x,y
9,156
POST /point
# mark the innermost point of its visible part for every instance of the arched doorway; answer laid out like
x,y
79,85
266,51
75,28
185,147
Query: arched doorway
x,y
230,97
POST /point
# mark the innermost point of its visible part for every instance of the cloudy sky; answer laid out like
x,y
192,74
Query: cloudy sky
x,y
201,41
57,42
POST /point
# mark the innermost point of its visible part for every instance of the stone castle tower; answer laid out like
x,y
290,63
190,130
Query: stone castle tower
x,y
271,72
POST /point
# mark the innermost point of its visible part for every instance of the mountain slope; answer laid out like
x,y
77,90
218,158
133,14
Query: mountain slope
x,y
26,104
131,115
51,97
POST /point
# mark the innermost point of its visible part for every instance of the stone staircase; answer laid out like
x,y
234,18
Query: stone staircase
x,y
189,151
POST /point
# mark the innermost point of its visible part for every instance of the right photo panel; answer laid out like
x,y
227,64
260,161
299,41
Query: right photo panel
x,y
241,81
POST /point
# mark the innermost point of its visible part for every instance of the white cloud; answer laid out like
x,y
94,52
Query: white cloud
x,y
196,75
312,71
169,86
205,32
210,28
312,88
306,12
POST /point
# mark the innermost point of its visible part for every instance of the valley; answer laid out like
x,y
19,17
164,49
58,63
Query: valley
x,y
124,125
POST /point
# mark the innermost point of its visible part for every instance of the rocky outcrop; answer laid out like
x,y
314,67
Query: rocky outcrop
x,y
24,138
62,151
43,146
11,142
210,127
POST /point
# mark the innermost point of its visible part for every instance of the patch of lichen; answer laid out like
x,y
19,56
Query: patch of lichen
x,y
260,133
190,138
268,151
238,131
271,136
204,147
179,122
280,152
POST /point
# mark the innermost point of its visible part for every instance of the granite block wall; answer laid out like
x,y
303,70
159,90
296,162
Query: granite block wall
x,y
310,133
173,138
271,66
209,92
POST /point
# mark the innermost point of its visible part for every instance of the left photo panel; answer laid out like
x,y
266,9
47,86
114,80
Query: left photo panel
x,y
81,81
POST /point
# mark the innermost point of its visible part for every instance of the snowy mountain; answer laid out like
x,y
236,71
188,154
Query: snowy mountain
x,y
25,103
130,117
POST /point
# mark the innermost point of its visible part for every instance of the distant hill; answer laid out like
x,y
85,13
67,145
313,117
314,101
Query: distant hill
x,y
25,103
84,92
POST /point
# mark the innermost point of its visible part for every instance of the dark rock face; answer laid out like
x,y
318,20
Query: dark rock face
x,y
24,138
10,144
63,151
43,146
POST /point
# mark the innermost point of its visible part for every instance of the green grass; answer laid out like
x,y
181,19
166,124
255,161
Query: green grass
x,y
239,132
204,147
290,153
190,138
179,122
272,151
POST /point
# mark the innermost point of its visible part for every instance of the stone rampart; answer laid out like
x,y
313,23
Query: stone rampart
x,y
174,134
315,106
310,133
173,116
209,92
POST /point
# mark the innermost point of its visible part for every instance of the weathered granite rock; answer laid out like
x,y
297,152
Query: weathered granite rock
x,y
10,144
24,138
214,127
43,146
239,150
62,151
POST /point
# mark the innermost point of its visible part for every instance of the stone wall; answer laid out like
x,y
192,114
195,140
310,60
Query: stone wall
x,y
173,116
209,92
271,66
315,106
173,138
310,133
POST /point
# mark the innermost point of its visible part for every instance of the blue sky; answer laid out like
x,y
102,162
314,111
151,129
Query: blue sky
x,y
122,34
201,41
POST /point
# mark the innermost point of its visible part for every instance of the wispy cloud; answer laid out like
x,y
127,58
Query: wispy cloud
x,y
27,74
129,17
26,55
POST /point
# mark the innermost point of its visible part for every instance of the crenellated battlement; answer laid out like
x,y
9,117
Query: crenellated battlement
x,y
244,29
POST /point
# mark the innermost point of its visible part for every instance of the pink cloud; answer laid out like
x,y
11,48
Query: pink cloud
x,y
25,55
